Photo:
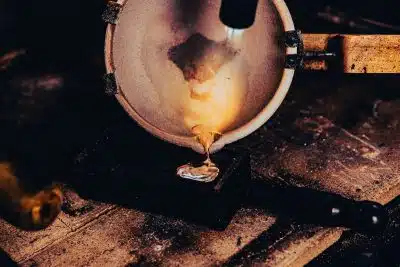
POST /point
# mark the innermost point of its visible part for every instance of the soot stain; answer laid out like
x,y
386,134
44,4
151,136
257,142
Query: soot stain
x,y
188,12
199,58
180,235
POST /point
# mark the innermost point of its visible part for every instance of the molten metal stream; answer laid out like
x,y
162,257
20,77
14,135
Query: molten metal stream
x,y
206,133
207,171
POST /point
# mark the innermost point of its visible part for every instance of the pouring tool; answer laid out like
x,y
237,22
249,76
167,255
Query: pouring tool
x,y
154,92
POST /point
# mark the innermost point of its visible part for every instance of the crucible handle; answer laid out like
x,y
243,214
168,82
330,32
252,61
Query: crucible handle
x,y
309,206
351,53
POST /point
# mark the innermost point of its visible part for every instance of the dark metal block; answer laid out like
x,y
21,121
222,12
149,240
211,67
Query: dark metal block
x,y
141,174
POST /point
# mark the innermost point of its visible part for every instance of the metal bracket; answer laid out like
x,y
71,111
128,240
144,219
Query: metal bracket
x,y
110,14
293,61
110,84
294,39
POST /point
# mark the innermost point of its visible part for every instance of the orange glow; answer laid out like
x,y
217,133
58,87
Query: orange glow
x,y
215,103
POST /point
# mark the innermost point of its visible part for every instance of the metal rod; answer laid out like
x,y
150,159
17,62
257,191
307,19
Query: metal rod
x,y
309,55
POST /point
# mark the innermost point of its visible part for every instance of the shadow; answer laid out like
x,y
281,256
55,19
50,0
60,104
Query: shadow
x,y
44,127
355,249
131,168
63,30
257,251
63,42
5,260
51,99
318,208
336,64
300,214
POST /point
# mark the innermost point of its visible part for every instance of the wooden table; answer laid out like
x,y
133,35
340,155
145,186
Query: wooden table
x,y
359,162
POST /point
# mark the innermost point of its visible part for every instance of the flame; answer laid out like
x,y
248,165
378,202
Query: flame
x,y
215,103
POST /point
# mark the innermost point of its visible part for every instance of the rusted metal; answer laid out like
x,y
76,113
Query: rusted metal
x,y
110,84
293,61
110,14
293,38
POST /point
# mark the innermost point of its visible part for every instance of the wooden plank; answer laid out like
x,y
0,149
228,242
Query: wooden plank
x,y
131,237
361,53
22,245
80,212
312,147
302,248
330,159
383,130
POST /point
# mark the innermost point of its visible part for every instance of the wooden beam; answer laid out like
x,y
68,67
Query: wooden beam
x,y
360,53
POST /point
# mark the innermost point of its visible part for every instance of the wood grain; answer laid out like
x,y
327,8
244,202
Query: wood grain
x,y
335,161
361,53
318,152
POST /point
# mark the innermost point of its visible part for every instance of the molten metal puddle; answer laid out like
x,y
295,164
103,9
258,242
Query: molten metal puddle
x,y
207,171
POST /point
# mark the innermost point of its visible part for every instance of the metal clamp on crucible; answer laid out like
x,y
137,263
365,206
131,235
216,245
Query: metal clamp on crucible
x,y
221,66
